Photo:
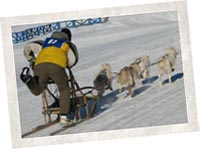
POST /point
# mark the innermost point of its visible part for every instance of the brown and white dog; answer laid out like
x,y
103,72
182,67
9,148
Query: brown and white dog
x,y
126,78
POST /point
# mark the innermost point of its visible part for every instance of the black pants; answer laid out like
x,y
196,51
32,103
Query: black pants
x,y
44,71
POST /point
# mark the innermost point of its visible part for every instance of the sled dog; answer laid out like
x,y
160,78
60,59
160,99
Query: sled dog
x,y
106,67
136,72
144,63
167,64
125,78
103,80
172,54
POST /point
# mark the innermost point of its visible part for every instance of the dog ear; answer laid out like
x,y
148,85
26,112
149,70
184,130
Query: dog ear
x,y
138,60
102,65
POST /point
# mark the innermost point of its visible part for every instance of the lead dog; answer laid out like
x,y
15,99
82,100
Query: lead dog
x,y
167,64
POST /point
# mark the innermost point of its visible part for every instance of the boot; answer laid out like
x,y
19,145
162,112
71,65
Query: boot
x,y
64,121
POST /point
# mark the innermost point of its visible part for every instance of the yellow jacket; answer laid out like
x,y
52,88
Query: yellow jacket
x,y
54,51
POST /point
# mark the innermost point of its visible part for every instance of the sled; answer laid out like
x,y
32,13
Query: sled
x,y
79,97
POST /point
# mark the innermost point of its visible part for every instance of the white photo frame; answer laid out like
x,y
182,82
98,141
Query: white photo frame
x,y
178,6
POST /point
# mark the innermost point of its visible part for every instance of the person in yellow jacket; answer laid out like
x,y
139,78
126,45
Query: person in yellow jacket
x,y
57,54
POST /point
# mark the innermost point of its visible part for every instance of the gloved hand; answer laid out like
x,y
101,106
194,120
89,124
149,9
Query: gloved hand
x,y
25,75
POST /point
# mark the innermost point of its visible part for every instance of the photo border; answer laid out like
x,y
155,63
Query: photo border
x,y
7,23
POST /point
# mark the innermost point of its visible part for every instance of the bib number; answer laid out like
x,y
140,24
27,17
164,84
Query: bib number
x,y
53,42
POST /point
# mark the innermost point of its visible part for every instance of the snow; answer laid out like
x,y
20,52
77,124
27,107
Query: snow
x,y
118,42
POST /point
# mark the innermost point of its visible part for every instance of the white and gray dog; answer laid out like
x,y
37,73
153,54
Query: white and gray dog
x,y
140,68
144,63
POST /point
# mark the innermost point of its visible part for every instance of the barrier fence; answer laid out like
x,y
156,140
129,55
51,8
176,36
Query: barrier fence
x,y
30,33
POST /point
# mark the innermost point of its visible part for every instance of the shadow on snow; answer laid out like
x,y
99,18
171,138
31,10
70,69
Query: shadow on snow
x,y
174,78
106,101
150,80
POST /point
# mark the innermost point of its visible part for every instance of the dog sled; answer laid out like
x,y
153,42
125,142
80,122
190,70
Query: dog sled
x,y
81,98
